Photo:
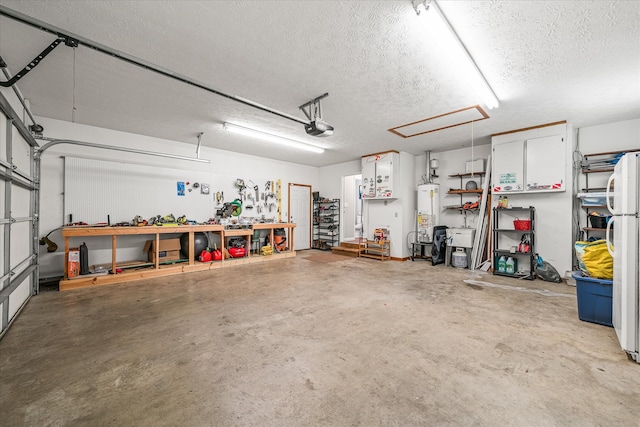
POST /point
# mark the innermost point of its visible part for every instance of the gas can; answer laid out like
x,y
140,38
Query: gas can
x,y
205,256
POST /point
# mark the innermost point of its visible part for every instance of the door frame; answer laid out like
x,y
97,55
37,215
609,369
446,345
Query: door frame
x,y
291,184
351,199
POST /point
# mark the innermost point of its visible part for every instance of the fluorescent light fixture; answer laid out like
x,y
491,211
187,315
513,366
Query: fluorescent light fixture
x,y
241,130
451,43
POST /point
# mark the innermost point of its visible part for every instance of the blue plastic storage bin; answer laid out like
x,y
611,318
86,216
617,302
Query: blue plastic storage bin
x,y
594,299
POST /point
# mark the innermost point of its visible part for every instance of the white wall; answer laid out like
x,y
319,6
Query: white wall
x,y
409,205
330,178
225,165
397,214
617,136
553,227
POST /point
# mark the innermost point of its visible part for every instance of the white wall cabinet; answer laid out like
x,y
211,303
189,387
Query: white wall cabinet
x,y
379,173
508,167
530,165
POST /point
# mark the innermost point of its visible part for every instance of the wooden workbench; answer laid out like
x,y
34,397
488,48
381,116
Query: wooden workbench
x,y
143,270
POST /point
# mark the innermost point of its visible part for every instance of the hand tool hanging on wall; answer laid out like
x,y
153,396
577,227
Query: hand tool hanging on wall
x,y
255,188
236,207
279,198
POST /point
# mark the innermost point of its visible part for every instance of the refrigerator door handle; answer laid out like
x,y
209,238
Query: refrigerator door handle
x,y
609,196
610,247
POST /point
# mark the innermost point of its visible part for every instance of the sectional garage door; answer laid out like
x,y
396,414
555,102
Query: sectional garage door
x,y
18,228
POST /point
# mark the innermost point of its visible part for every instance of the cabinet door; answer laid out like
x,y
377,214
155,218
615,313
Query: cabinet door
x,y
508,167
546,164
384,178
378,175
368,178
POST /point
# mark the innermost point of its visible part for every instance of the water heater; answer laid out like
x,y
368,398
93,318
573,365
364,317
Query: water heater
x,y
428,211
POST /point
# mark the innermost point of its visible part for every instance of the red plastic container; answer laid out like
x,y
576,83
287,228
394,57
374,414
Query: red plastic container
x,y
237,252
205,256
522,224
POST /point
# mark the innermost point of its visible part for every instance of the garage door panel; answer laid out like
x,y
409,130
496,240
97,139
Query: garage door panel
x,y
3,137
18,265
21,152
20,202
20,243
19,296
2,193
2,257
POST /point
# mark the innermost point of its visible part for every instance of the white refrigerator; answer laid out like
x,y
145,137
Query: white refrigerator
x,y
623,203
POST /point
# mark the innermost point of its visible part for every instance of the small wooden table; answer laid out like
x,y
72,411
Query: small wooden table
x,y
376,249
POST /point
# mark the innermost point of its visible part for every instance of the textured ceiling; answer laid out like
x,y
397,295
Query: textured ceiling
x,y
382,67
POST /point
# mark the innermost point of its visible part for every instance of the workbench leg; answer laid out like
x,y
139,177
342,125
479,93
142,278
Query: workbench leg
x,y
291,239
113,253
157,251
191,249
66,258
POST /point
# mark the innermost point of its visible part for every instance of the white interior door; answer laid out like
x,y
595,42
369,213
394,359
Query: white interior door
x,y
300,214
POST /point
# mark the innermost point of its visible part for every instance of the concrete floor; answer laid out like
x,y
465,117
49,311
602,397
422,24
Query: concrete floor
x,y
297,342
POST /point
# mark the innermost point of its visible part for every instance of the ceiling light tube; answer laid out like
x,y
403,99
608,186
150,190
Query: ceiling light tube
x,y
241,130
449,38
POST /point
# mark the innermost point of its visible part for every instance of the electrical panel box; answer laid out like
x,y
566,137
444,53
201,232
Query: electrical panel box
x,y
379,172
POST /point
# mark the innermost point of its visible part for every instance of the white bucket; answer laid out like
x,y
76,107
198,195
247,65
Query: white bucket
x,y
459,259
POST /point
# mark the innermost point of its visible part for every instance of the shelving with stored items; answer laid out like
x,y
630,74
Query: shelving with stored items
x,y
596,169
376,249
514,239
468,187
326,223
125,271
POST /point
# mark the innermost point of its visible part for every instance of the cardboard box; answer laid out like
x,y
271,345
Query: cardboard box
x,y
477,165
168,250
73,263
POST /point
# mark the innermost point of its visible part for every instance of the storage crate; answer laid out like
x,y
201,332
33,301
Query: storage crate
x,y
593,199
599,221
594,299
522,224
